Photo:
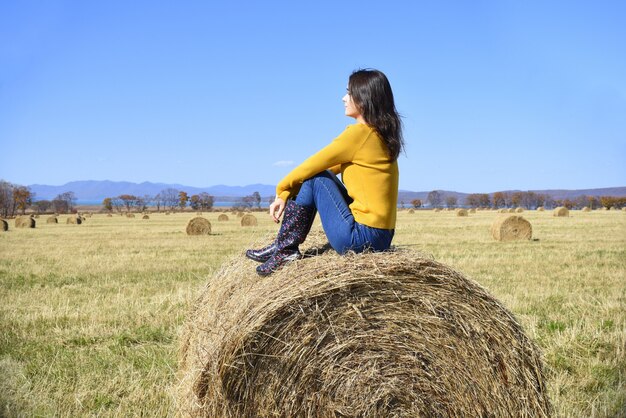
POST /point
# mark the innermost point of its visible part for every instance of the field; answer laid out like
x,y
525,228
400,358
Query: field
x,y
90,314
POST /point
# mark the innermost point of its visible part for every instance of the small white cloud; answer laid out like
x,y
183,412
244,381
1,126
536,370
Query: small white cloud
x,y
283,163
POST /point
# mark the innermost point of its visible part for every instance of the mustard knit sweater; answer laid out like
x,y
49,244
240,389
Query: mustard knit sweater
x,y
369,175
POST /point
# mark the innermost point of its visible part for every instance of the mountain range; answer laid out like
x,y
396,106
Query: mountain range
x,y
95,190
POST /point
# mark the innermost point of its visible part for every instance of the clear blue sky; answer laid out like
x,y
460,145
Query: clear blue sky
x,y
495,94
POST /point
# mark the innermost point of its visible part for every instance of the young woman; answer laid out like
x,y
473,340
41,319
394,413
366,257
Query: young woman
x,y
360,212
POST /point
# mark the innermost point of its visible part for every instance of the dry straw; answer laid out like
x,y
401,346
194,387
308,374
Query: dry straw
x,y
371,335
222,218
24,222
511,228
461,212
561,211
198,226
52,220
5,225
248,220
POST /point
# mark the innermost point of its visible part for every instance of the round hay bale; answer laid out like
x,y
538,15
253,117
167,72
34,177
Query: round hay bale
x,y
411,210
52,220
511,228
130,215
437,209
74,220
503,210
222,218
473,210
240,214
512,210
364,335
167,213
586,209
5,225
461,212
24,222
248,220
540,208
561,211
198,226
519,210
109,215
145,217
36,216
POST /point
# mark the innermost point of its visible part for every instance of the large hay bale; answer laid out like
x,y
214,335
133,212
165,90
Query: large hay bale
x,y
248,220
461,212
24,222
198,226
369,335
74,220
511,228
561,211
52,220
222,218
5,225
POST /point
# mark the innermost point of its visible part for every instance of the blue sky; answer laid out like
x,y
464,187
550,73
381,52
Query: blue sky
x,y
495,94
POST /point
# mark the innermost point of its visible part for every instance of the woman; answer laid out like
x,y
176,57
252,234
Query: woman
x,y
359,213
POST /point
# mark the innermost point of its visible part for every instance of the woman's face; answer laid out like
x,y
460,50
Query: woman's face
x,y
351,108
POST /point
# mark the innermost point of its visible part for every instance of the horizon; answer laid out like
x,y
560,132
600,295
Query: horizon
x,y
198,94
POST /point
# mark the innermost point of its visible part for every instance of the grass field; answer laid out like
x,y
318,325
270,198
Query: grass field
x,y
89,314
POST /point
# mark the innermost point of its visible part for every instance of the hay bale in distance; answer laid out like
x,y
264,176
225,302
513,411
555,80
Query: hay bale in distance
x,y
130,215
461,212
511,228
24,222
503,210
249,220
198,226
586,209
519,210
52,220
240,214
367,335
411,210
145,217
540,209
74,220
473,210
222,218
109,215
5,225
561,211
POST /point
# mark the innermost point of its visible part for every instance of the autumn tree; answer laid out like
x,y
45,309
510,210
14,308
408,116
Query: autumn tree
x,y
499,200
206,201
183,198
416,203
41,206
107,203
194,202
129,201
22,197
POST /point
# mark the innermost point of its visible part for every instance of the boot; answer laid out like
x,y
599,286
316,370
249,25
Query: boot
x,y
297,221
263,254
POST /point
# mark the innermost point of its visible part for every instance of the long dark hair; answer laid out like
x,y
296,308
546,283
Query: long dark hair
x,y
371,93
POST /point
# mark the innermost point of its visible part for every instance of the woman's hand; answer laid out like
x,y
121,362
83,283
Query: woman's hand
x,y
276,209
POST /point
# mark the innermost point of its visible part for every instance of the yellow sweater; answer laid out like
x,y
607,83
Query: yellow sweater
x,y
369,175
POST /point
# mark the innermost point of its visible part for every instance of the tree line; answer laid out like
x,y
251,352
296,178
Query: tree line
x,y
16,199
527,200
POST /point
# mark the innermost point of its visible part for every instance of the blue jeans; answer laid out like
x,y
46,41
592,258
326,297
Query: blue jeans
x,y
329,196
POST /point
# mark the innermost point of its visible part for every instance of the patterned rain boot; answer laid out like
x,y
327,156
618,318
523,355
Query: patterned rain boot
x,y
297,221
263,254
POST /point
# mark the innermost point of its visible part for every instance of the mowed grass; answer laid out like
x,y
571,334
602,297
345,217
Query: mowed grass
x,y
90,314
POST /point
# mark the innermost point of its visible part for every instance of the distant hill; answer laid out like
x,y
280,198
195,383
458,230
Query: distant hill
x,y
98,190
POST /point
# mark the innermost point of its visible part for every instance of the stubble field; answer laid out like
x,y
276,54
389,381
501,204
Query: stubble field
x,y
90,314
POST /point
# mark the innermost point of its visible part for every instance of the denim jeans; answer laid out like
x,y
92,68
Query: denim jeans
x,y
328,195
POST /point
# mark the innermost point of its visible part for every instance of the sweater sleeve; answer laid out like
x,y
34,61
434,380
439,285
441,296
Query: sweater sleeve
x,y
339,151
